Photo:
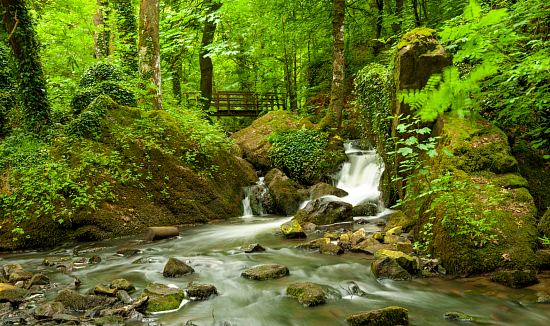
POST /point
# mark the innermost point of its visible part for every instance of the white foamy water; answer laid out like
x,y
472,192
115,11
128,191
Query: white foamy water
x,y
360,176
248,212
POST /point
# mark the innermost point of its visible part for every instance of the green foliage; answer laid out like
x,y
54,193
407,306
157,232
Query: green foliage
x,y
301,154
98,73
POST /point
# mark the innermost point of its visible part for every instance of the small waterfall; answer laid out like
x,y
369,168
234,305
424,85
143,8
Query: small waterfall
x,y
360,176
255,197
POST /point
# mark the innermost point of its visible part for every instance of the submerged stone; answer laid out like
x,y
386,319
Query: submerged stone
x,y
266,272
516,279
162,297
389,316
56,260
458,316
199,292
308,294
176,268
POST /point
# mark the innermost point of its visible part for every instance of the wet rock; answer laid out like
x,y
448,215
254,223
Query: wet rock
x,y
176,268
266,272
48,310
358,236
39,279
12,294
252,248
543,259
378,236
516,279
126,310
162,297
369,246
404,260
292,230
458,316
365,209
324,189
5,308
333,236
395,231
405,246
308,294
145,260
200,292
391,239
122,284
124,297
54,261
101,289
389,316
543,298
161,232
323,211
261,201
94,260
19,275
314,244
128,252
286,193
354,290
398,218
331,248
66,319
389,268
79,302
109,321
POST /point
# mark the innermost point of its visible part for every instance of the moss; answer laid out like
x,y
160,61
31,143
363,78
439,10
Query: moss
x,y
510,181
544,224
515,279
162,297
417,35
308,294
98,73
388,316
266,272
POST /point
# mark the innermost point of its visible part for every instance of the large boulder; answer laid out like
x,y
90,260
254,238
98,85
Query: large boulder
x,y
286,193
474,225
79,302
388,268
308,294
516,279
253,140
324,211
266,272
365,209
404,260
293,230
176,268
397,218
199,292
324,189
261,200
162,297
389,316
12,294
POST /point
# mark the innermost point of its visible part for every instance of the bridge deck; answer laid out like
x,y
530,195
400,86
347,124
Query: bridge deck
x,y
243,104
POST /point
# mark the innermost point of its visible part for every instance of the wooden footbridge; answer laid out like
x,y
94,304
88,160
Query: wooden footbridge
x,y
241,104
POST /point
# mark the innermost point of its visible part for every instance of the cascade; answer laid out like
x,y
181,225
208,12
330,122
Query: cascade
x,y
254,199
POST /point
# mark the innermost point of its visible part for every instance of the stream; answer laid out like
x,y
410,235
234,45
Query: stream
x,y
214,252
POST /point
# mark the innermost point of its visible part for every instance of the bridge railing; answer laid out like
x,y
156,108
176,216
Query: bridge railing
x,y
235,103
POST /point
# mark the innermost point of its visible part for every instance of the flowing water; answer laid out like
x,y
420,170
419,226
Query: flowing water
x,y
214,252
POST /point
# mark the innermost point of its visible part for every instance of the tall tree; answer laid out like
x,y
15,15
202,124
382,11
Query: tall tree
x,y
24,45
102,35
127,33
337,92
149,48
207,68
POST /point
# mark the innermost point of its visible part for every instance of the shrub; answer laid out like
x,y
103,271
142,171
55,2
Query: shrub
x,y
98,73
118,93
83,98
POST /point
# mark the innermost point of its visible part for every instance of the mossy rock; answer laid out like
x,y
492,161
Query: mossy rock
x,y
162,297
122,284
544,224
516,279
12,294
330,248
510,181
286,193
324,189
48,310
323,211
100,72
79,302
308,294
176,268
388,268
266,272
398,218
404,260
389,316
200,292
292,230
314,244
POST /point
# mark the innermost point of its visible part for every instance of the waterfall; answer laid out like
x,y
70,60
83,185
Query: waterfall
x,y
253,202
247,209
360,176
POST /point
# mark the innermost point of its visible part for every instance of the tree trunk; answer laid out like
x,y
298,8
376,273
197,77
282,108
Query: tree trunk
x,y
337,92
205,62
379,18
396,27
177,73
30,76
417,20
102,34
127,33
149,48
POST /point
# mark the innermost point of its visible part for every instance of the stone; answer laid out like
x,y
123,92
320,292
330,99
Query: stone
x,y
287,194
124,297
324,189
12,294
395,231
109,321
308,294
66,319
252,248
378,236
19,275
404,260
323,211
293,230
261,200
95,259
176,268
122,284
200,292
10,268
266,272
162,297
405,247
358,236
458,316
398,218
365,209
543,259
48,310
370,246
331,248
354,290
391,239
389,316
101,289
314,244
388,268
516,279
56,261
543,298
39,279
78,302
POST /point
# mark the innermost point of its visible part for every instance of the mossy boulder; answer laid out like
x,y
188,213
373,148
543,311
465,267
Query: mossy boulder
x,y
266,272
79,302
122,284
254,140
162,297
252,248
12,294
476,224
389,316
388,268
331,248
516,279
200,292
176,268
292,230
314,244
308,294
286,193
324,189
404,260
48,310
324,211
365,209
398,218
544,224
